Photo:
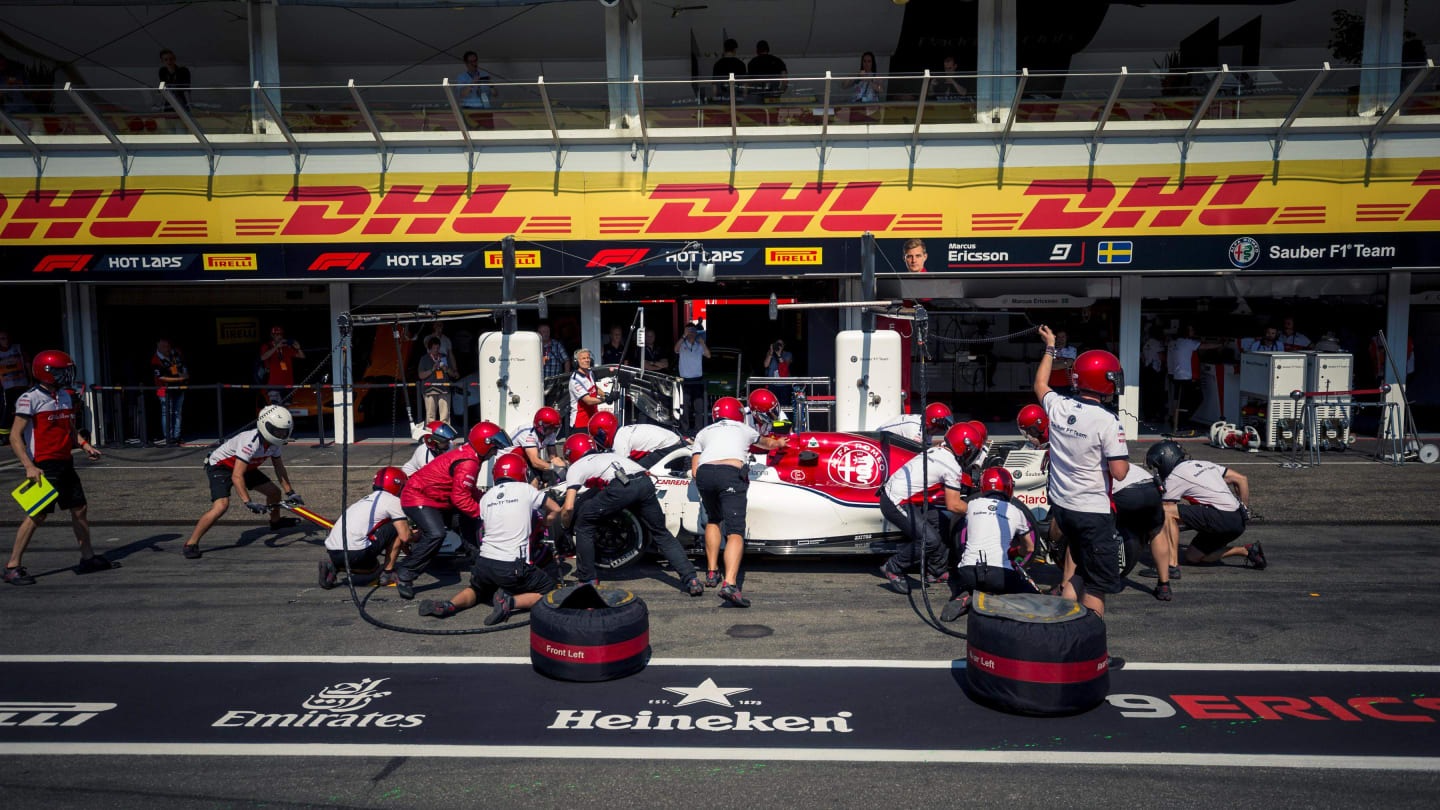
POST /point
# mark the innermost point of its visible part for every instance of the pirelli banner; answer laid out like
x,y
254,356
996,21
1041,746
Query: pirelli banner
x,y
1318,216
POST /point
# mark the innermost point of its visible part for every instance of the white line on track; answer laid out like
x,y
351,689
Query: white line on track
x,y
706,753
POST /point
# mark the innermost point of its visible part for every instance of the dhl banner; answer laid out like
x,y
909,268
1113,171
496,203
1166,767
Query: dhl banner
x,y
1117,203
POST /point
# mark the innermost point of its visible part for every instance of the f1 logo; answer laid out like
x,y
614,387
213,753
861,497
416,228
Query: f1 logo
x,y
1060,252
74,262
339,261
617,256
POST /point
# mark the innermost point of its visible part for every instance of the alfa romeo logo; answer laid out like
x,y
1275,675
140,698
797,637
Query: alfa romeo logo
x,y
857,464
1244,252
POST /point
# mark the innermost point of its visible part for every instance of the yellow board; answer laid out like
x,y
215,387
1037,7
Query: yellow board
x,y
1219,198
34,496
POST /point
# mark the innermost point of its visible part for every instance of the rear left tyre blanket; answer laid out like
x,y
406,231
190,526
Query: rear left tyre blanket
x,y
584,633
1036,655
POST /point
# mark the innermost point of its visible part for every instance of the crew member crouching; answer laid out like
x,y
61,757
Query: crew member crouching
x,y
537,443
622,485
236,464
940,467
1138,510
442,487
643,444
504,575
1197,494
372,526
435,441
992,522
913,426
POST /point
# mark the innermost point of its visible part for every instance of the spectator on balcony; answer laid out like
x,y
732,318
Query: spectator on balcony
x,y
474,88
727,63
767,66
175,77
948,87
865,88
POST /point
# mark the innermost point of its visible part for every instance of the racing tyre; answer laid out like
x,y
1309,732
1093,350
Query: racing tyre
x,y
584,633
618,541
1035,655
1129,551
1041,545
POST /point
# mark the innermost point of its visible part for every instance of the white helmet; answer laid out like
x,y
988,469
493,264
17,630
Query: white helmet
x,y
275,424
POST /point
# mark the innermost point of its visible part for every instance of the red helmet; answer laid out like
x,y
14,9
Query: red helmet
x,y
578,446
728,408
964,442
980,428
510,467
1033,422
390,479
438,436
764,405
997,480
1097,371
547,421
603,426
53,367
938,417
486,438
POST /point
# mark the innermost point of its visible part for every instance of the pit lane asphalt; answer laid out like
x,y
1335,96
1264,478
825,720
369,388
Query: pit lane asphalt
x,y
1348,543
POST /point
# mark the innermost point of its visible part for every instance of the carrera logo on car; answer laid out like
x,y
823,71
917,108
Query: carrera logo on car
x,y
339,261
72,262
856,464
495,259
231,261
48,714
335,706
706,692
793,256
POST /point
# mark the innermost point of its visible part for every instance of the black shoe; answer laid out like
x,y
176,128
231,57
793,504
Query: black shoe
x,y
98,563
937,579
898,583
713,579
956,607
327,574
284,523
191,551
504,606
1162,592
405,587
731,593
18,576
1174,572
695,587
1255,556
440,610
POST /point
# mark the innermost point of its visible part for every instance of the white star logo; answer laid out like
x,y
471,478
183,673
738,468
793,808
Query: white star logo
x,y
706,692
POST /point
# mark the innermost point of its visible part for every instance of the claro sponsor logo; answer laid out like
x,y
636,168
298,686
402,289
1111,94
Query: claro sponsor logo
x,y
708,692
794,256
48,713
338,706
231,261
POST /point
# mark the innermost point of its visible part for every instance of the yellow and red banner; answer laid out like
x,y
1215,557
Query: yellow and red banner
x,y
1215,199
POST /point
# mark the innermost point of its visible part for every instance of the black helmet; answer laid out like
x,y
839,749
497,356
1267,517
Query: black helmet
x,y
1164,457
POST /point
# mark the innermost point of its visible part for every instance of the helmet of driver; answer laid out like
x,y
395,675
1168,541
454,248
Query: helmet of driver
x,y
1098,372
964,442
997,481
547,422
486,438
390,479
1164,457
938,417
1033,422
510,467
275,424
53,367
728,408
602,427
578,446
438,436
764,405
981,429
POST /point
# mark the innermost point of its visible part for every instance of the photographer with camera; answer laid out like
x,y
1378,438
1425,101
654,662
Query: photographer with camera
x,y
777,364
277,358
436,373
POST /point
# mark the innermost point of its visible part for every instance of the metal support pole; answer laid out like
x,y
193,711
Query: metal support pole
x,y
867,278
219,414
1200,111
507,284
319,417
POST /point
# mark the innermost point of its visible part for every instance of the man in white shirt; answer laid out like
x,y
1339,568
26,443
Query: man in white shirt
x,y
436,441
538,443
372,526
1292,341
473,84
236,464
902,498
992,526
1087,452
935,421
643,444
692,353
1180,355
1198,494
585,395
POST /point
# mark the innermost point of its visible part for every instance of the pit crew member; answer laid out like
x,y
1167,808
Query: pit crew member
x,y
763,411
643,444
1087,452
237,462
585,397
992,523
373,526
435,441
936,420
942,467
622,486
717,466
1139,510
1197,494
1034,426
504,574
443,487
537,443
42,436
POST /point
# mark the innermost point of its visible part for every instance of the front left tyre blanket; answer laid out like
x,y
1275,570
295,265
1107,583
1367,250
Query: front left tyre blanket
x,y
585,633
1035,655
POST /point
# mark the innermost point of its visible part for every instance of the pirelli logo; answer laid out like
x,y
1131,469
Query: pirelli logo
x,y
231,261
495,259
794,256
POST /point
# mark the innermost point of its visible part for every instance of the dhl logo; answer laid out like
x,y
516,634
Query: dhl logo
x,y
705,208
794,256
231,261
495,259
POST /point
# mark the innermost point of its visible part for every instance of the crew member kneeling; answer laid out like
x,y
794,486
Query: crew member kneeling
x,y
537,443
372,526
504,575
722,449
444,486
435,441
643,444
622,486
1197,493
901,501
992,522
